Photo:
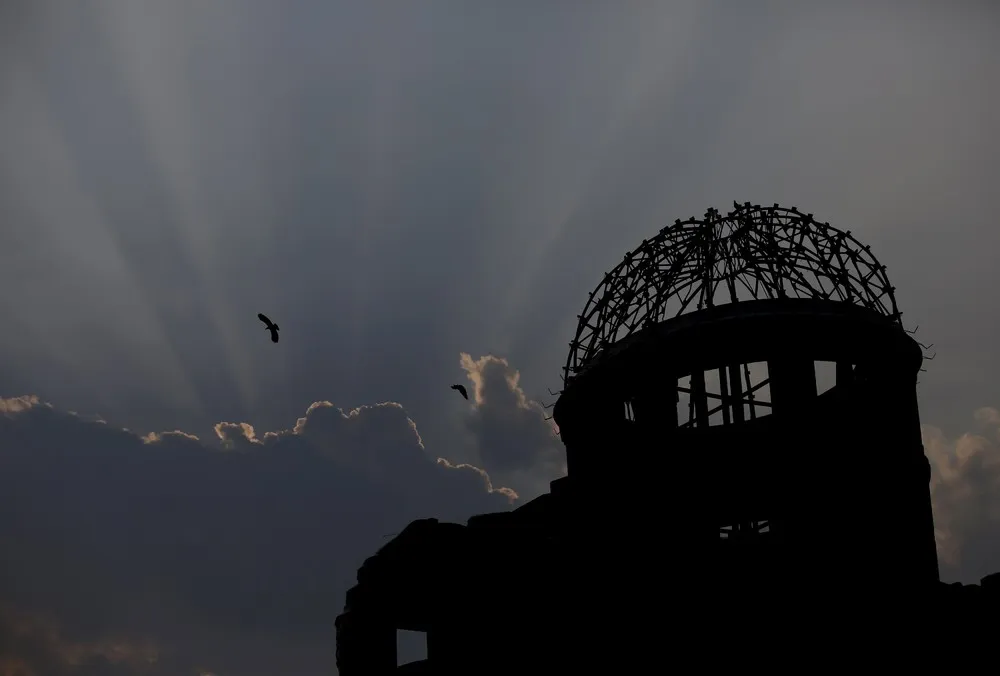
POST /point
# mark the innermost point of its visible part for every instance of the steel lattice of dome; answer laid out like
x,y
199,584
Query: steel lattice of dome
x,y
750,253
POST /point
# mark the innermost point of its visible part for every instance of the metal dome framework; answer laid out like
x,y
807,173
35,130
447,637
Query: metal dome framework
x,y
751,253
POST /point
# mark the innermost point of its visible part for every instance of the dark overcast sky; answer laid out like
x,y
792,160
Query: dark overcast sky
x,y
407,188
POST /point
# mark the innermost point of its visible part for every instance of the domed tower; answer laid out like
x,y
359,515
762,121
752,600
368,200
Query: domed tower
x,y
745,464
746,377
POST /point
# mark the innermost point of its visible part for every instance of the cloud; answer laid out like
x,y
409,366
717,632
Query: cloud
x,y
32,645
154,437
236,435
510,432
165,553
18,404
965,488
509,492
229,555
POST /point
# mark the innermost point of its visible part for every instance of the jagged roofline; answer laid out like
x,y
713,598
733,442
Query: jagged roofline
x,y
751,253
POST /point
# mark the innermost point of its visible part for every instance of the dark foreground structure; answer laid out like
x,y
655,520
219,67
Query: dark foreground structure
x,y
745,473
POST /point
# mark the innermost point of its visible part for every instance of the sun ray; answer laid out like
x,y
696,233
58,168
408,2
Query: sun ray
x,y
150,41
656,61
384,128
67,227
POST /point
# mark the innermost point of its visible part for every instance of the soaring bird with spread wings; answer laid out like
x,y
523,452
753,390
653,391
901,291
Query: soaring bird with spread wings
x,y
270,326
461,390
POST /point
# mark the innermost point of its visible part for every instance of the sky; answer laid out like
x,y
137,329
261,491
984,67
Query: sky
x,y
419,194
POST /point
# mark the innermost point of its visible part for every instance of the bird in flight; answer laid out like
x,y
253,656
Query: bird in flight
x,y
270,326
461,390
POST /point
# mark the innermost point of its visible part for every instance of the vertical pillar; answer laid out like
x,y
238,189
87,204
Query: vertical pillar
x,y
899,494
589,426
792,383
724,393
845,374
366,645
655,408
437,646
736,392
924,540
699,399
670,400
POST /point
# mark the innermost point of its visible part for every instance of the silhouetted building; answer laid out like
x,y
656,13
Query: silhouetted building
x,y
743,445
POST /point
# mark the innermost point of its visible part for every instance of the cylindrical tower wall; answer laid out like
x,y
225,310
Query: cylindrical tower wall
x,y
835,476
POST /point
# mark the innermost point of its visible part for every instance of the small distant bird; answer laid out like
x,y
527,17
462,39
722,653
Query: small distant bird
x,y
461,390
270,326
